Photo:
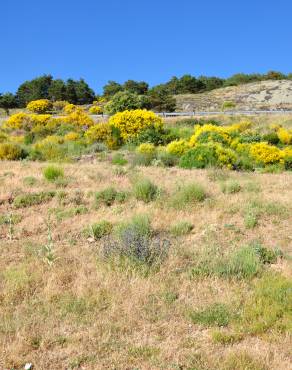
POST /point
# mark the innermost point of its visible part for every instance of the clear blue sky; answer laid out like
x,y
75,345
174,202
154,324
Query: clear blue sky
x,y
142,39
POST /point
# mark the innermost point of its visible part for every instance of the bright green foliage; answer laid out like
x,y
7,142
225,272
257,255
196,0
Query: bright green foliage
x,y
145,190
52,173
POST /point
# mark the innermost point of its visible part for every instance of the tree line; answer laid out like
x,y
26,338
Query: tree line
x,y
159,97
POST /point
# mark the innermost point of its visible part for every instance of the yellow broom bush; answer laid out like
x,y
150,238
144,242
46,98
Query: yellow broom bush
x,y
39,106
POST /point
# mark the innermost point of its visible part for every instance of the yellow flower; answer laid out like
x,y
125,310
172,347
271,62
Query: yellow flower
x,y
265,153
39,106
177,147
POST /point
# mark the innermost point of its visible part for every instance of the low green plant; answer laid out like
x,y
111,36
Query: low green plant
x,y
269,306
230,187
52,173
181,228
99,230
242,361
62,214
145,190
30,181
216,314
226,338
187,196
119,160
108,196
31,199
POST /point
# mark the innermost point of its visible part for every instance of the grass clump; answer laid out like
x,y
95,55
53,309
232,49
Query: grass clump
x,y
145,190
215,315
226,338
31,199
62,214
119,160
187,196
242,361
108,196
99,230
8,219
269,306
30,181
242,263
135,240
52,173
230,187
181,228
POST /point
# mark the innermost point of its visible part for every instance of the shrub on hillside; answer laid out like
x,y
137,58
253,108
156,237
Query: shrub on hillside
x,y
39,106
9,151
177,147
98,132
131,123
187,196
202,156
264,153
52,173
145,190
95,109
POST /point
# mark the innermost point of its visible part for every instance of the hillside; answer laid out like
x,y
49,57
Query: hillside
x,y
259,95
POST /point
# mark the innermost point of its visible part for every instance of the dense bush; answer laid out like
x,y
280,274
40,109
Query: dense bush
x,y
52,173
9,151
202,156
39,106
131,123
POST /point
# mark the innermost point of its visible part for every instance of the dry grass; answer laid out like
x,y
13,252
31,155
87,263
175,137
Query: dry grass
x,y
83,312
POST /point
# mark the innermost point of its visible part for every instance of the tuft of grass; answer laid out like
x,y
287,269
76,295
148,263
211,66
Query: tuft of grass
x,y
269,306
99,230
242,361
226,338
30,181
52,173
215,315
62,214
230,187
119,160
217,174
108,196
243,263
187,196
31,199
181,228
145,190
10,219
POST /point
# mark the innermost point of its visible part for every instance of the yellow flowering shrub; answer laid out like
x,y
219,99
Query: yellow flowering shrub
x,y
241,126
287,156
17,120
71,136
17,139
98,132
132,122
51,139
69,108
146,148
95,109
285,136
10,151
209,133
177,147
264,153
39,106
225,156
79,117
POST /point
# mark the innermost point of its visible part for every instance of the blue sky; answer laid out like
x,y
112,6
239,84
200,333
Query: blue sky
x,y
142,40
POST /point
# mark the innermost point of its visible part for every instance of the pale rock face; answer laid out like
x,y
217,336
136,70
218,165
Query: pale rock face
x,y
268,95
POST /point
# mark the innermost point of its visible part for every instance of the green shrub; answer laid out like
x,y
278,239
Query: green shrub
x,y
142,159
202,156
217,314
181,228
269,306
226,338
272,138
52,173
187,196
135,241
108,196
251,218
99,230
167,159
145,190
10,152
31,199
230,187
62,214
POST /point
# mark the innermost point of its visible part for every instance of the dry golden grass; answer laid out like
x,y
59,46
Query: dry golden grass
x,y
84,313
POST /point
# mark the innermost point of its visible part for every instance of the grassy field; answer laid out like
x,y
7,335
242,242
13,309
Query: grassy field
x,y
167,269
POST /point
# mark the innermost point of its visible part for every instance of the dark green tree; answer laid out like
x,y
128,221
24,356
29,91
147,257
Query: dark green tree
x,y
160,100
57,90
136,87
7,101
111,88
38,88
84,94
124,100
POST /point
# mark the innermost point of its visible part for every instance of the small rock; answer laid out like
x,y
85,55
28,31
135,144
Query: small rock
x,y
28,366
